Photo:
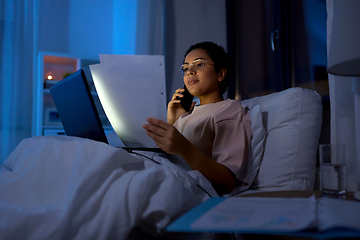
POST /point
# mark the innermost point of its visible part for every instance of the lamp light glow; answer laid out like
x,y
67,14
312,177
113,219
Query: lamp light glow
x,y
49,76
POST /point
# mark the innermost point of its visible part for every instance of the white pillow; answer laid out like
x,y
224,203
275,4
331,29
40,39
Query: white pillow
x,y
257,141
292,120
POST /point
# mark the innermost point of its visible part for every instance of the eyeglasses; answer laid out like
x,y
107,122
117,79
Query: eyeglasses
x,y
198,65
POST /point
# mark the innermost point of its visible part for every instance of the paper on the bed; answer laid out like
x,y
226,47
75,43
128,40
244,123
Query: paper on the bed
x,y
131,88
336,212
261,214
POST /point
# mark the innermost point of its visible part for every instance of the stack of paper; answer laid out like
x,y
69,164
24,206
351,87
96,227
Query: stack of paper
x,y
131,88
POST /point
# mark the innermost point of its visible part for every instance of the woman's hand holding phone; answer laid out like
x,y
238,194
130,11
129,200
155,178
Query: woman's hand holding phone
x,y
187,100
175,108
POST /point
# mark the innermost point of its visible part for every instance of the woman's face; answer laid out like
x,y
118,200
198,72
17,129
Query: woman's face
x,y
204,82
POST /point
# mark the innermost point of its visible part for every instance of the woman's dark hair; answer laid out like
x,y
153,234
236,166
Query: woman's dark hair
x,y
220,58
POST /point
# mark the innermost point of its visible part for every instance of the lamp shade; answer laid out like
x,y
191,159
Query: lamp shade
x,y
344,45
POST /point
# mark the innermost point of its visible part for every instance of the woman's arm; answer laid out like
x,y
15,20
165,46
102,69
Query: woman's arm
x,y
171,141
220,176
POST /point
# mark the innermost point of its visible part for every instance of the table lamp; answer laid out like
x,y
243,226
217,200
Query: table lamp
x,y
344,52
344,49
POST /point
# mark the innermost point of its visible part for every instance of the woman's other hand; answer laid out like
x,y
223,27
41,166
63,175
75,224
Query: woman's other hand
x,y
166,136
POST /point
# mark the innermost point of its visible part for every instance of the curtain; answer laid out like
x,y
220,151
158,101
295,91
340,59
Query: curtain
x,y
150,27
275,45
16,72
345,121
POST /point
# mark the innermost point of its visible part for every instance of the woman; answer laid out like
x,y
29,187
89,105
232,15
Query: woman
x,y
214,137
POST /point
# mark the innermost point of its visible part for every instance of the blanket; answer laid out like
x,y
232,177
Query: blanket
x,y
62,187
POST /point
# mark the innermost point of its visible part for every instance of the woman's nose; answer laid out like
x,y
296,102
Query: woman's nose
x,y
191,70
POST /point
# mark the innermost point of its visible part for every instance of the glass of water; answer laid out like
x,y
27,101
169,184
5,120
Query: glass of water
x,y
333,170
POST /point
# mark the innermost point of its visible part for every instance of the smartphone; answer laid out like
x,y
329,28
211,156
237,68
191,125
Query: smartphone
x,y
186,100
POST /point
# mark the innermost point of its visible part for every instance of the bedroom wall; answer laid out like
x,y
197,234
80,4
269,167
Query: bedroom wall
x,y
53,33
87,27
90,27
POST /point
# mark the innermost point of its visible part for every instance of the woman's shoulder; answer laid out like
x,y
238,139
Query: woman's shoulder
x,y
229,110
225,110
230,105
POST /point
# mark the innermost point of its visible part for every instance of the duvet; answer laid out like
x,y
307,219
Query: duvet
x,y
71,188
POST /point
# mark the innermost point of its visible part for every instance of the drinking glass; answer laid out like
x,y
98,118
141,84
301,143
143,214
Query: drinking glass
x,y
332,170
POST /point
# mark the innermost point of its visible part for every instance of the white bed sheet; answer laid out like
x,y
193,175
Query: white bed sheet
x,y
70,188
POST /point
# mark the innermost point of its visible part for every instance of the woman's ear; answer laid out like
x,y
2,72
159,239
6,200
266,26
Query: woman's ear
x,y
221,74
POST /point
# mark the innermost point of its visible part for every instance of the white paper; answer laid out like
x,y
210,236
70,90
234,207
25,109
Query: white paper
x,y
260,214
338,213
131,88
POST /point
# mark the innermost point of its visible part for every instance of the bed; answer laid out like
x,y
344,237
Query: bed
x,y
59,187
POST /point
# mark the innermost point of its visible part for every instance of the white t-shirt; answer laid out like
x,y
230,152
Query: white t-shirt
x,y
222,131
